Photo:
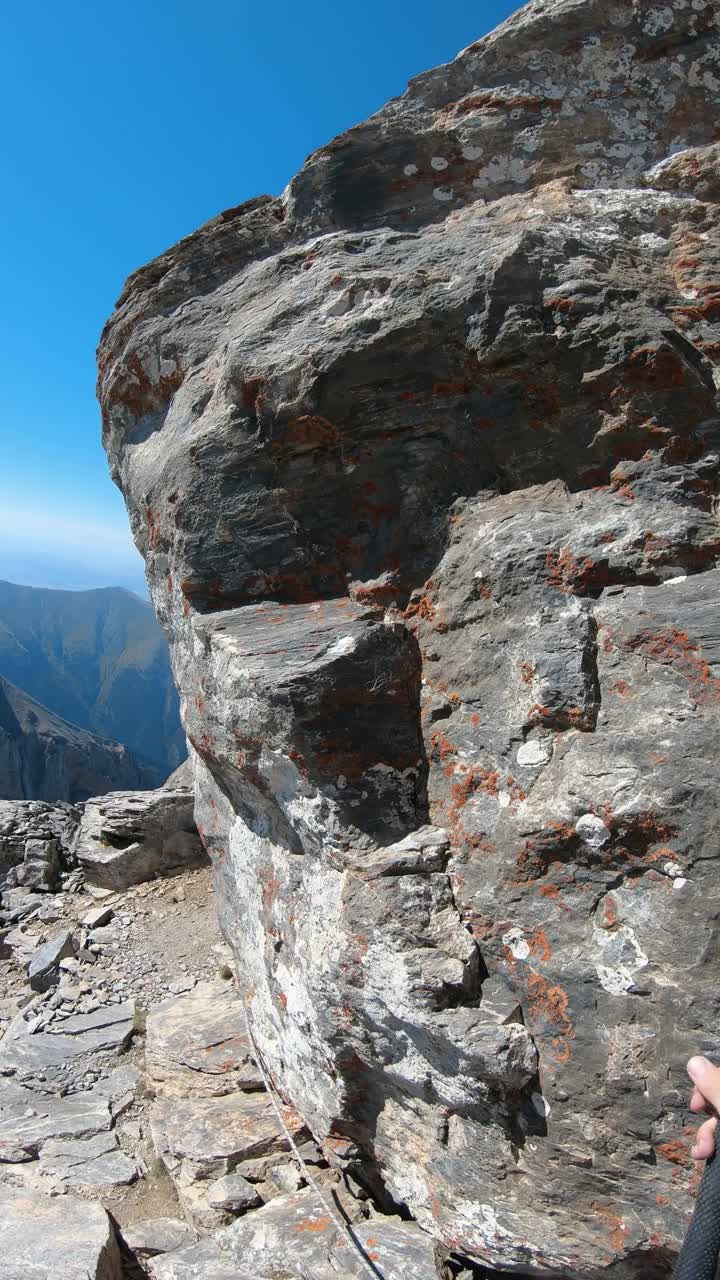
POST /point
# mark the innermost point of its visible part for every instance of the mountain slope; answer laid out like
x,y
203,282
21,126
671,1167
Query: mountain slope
x,y
96,658
44,758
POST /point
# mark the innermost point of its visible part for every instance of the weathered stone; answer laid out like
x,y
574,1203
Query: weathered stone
x,y
156,1235
294,1237
130,836
44,963
28,1120
97,917
232,1193
68,1044
426,488
60,1238
89,1162
202,1140
197,1046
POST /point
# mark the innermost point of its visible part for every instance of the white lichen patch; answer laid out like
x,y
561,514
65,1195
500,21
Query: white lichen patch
x,y
410,170
622,959
535,753
516,943
439,162
443,193
592,830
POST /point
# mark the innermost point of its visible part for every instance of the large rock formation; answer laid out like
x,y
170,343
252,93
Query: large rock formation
x,y
98,659
43,757
423,460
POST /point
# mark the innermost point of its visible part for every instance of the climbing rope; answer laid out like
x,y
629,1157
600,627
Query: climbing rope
x,y
343,1227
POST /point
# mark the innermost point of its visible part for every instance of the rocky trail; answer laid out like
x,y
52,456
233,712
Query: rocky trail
x,y
136,1134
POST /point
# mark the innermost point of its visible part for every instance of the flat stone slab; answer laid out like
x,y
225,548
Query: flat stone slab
x,y
196,1045
107,1030
29,1120
221,1131
56,1239
89,1162
200,1141
296,1234
157,1235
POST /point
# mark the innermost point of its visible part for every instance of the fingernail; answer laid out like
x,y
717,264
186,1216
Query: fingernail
x,y
696,1066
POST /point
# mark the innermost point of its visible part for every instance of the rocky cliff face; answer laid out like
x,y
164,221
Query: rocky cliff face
x,y
44,758
423,460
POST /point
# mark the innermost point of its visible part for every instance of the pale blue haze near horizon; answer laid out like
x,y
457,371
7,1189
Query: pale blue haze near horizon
x,y
126,127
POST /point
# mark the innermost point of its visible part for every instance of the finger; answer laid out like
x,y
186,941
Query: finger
x,y
706,1079
704,1140
698,1103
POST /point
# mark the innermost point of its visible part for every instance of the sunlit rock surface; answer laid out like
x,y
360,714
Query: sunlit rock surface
x,y
423,460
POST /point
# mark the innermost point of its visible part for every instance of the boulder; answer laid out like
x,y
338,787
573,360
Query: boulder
x,y
59,1238
130,836
427,499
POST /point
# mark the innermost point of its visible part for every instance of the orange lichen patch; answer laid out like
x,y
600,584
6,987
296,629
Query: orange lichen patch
x,y
270,886
619,1232
609,917
575,576
484,591
527,672
676,1152
548,1007
474,719
421,608
708,309
656,757
515,790
674,648
660,366
313,1224
538,944
621,688
442,749
153,523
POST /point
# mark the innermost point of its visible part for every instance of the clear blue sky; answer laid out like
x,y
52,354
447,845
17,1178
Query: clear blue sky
x,y
125,126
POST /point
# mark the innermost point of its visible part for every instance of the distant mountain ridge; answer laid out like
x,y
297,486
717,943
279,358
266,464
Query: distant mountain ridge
x,y
43,757
98,660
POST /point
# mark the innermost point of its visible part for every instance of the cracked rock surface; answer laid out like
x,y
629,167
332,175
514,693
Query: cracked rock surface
x,y
423,459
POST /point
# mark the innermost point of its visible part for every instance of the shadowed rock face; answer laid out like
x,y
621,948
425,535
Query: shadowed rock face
x,y
423,460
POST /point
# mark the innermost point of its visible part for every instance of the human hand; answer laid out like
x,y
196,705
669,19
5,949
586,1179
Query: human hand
x,y
705,1097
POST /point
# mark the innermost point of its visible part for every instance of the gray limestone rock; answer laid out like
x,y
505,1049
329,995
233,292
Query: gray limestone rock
x,y
157,1235
423,458
202,1140
29,1120
196,1045
62,1238
293,1236
36,840
88,1162
130,836
44,963
232,1193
